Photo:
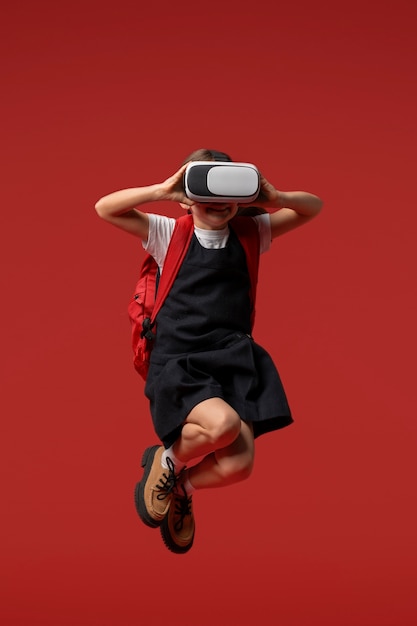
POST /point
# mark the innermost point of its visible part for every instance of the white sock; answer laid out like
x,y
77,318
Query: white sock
x,y
179,465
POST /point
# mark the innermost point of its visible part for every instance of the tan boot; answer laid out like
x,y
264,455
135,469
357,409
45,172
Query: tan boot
x,y
154,492
178,527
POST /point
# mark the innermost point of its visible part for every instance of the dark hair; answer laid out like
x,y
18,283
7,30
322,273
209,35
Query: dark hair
x,y
203,154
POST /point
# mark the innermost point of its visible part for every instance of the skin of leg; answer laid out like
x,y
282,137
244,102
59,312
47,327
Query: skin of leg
x,y
228,465
215,431
211,425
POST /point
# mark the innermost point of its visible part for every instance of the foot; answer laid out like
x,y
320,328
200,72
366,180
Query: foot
x,y
153,493
178,527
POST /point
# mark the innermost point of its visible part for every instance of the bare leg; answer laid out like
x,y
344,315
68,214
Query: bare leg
x,y
211,425
214,430
227,465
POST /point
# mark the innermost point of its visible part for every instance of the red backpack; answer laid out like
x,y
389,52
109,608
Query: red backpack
x,y
152,289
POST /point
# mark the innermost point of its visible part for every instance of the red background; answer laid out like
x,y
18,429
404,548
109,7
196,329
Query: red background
x,y
322,97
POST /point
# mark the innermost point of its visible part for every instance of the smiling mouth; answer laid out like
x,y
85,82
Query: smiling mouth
x,y
216,210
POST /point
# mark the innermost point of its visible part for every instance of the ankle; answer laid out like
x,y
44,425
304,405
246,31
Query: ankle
x,y
168,453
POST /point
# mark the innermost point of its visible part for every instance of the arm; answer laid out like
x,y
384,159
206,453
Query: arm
x,y
119,207
293,208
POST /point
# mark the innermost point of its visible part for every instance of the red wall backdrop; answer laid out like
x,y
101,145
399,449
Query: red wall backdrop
x,y
99,96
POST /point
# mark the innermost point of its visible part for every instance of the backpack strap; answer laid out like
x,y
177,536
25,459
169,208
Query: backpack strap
x,y
247,231
248,234
177,249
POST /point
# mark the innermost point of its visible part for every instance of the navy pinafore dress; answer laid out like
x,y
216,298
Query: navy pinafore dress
x,y
203,348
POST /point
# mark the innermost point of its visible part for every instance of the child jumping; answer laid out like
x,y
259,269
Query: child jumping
x,y
212,388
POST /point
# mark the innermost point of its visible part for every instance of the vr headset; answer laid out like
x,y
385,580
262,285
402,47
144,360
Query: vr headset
x,y
225,181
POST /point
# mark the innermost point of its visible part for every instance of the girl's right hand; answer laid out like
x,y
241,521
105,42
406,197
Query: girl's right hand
x,y
173,188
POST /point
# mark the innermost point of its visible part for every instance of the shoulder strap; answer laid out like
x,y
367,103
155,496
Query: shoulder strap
x,y
247,231
178,246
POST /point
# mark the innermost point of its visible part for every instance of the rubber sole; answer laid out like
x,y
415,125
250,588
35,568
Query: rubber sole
x,y
147,460
169,542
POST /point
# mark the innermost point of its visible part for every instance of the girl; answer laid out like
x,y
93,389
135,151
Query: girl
x,y
212,389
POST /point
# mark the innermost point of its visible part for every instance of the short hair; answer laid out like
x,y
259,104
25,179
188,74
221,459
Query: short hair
x,y
204,154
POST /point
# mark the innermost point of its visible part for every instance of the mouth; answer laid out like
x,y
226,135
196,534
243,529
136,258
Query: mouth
x,y
214,209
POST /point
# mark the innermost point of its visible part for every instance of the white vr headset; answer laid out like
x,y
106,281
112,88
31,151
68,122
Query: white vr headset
x,y
214,181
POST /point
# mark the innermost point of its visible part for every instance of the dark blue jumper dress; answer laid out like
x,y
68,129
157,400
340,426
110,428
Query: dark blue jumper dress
x,y
203,348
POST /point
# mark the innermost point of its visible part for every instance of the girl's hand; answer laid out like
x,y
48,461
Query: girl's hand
x,y
173,188
268,196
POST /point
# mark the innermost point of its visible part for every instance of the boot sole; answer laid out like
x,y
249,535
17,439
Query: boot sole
x,y
170,543
146,463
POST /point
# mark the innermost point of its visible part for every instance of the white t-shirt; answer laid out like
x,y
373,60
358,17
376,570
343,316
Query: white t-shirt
x,y
162,227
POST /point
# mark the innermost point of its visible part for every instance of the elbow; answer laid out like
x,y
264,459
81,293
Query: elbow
x,y
318,205
100,208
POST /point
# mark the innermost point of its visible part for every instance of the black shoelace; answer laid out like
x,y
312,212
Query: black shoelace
x,y
182,508
167,482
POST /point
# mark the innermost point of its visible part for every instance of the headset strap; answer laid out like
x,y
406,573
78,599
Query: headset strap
x,y
219,156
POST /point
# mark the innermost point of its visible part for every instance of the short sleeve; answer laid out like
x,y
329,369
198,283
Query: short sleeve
x,y
159,236
264,227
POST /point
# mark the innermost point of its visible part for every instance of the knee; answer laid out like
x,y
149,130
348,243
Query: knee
x,y
225,427
237,468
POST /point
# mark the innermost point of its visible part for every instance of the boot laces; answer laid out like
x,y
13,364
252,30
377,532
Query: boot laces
x,y
168,481
182,507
